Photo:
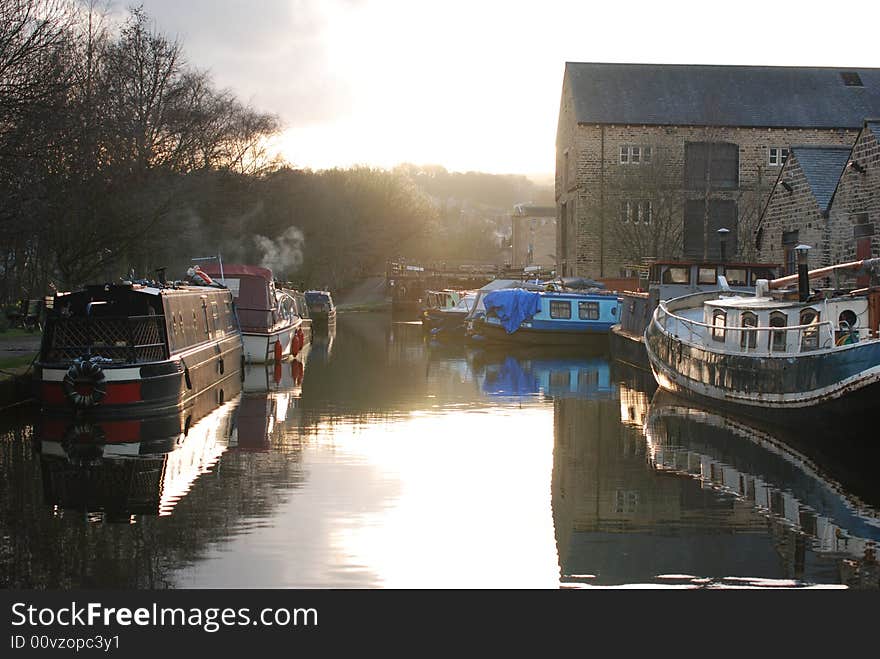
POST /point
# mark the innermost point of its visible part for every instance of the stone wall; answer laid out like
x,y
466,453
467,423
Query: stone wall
x,y
591,183
857,202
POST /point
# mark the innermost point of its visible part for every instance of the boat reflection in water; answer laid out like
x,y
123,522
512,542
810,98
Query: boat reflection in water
x,y
271,393
547,372
116,469
649,494
759,467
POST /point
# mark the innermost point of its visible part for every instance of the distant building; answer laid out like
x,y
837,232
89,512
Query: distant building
x,y
533,236
653,159
827,198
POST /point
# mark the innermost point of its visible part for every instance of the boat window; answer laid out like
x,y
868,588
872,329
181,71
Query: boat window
x,y
847,319
736,276
810,335
706,275
719,319
677,275
761,273
588,310
777,339
560,309
749,337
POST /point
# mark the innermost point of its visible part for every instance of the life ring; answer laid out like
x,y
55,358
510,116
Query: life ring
x,y
85,373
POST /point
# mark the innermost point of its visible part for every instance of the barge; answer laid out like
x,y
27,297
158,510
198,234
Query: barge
x,y
138,349
776,350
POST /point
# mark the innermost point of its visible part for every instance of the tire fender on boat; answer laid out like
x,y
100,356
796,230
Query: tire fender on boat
x,y
85,373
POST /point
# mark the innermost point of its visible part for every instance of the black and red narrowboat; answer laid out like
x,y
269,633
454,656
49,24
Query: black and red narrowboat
x,y
138,348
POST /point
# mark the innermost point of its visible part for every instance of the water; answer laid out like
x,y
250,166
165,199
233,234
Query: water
x,y
388,462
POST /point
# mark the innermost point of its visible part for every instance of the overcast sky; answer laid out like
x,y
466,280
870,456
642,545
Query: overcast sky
x,y
471,84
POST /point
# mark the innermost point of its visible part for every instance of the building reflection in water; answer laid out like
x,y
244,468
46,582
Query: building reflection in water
x,y
646,493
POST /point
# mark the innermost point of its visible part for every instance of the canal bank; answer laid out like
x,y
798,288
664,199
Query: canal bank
x,y
17,352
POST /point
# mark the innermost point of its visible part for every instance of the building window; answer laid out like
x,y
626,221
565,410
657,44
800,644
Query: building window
x,y
712,164
560,309
777,339
637,212
719,319
635,155
749,336
778,156
588,310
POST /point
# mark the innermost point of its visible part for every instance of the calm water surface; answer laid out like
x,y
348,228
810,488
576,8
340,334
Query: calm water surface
x,y
389,462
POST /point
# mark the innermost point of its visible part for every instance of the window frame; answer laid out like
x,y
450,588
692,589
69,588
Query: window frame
x,y
773,343
588,306
748,339
555,304
718,332
778,158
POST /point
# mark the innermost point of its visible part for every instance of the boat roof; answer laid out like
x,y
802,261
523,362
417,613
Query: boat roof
x,y
237,270
752,302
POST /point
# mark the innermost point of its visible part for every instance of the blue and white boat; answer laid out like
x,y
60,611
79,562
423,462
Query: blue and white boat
x,y
545,317
777,349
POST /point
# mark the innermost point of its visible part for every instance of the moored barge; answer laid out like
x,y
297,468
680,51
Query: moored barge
x,y
138,349
776,350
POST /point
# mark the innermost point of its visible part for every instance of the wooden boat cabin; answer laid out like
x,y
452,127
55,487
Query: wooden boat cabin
x,y
138,349
270,325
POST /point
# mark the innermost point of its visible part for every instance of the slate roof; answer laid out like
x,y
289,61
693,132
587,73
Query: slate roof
x,y
822,167
707,95
874,127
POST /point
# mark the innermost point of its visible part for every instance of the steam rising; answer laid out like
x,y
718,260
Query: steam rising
x,y
284,254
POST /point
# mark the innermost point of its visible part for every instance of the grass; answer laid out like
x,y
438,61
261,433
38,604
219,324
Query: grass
x,y
375,306
16,363
17,333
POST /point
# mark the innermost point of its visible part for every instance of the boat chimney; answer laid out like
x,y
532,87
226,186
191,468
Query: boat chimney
x,y
803,272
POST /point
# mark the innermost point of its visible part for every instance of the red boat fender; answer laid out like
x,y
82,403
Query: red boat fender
x,y
278,351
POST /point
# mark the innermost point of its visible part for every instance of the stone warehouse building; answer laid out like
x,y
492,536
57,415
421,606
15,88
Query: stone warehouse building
x,y
652,159
827,198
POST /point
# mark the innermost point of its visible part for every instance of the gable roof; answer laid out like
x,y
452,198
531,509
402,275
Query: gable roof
x,y
874,127
708,95
822,167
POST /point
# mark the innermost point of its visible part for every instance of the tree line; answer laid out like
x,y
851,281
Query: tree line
x,y
118,158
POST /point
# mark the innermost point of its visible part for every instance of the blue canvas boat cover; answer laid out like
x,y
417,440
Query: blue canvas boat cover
x,y
512,306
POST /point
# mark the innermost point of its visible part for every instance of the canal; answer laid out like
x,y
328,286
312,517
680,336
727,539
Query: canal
x,y
385,461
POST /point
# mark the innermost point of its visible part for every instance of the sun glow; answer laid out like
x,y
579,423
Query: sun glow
x,y
472,502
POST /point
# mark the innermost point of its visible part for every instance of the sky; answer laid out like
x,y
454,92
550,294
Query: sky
x,y
472,85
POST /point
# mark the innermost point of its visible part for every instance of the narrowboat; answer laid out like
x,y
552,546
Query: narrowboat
x,y
545,317
438,301
670,279
451,322
321,308
271,328
779,349
137,348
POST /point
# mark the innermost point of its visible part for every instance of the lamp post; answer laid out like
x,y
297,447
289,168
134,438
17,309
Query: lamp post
x,y
722,241
803,272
